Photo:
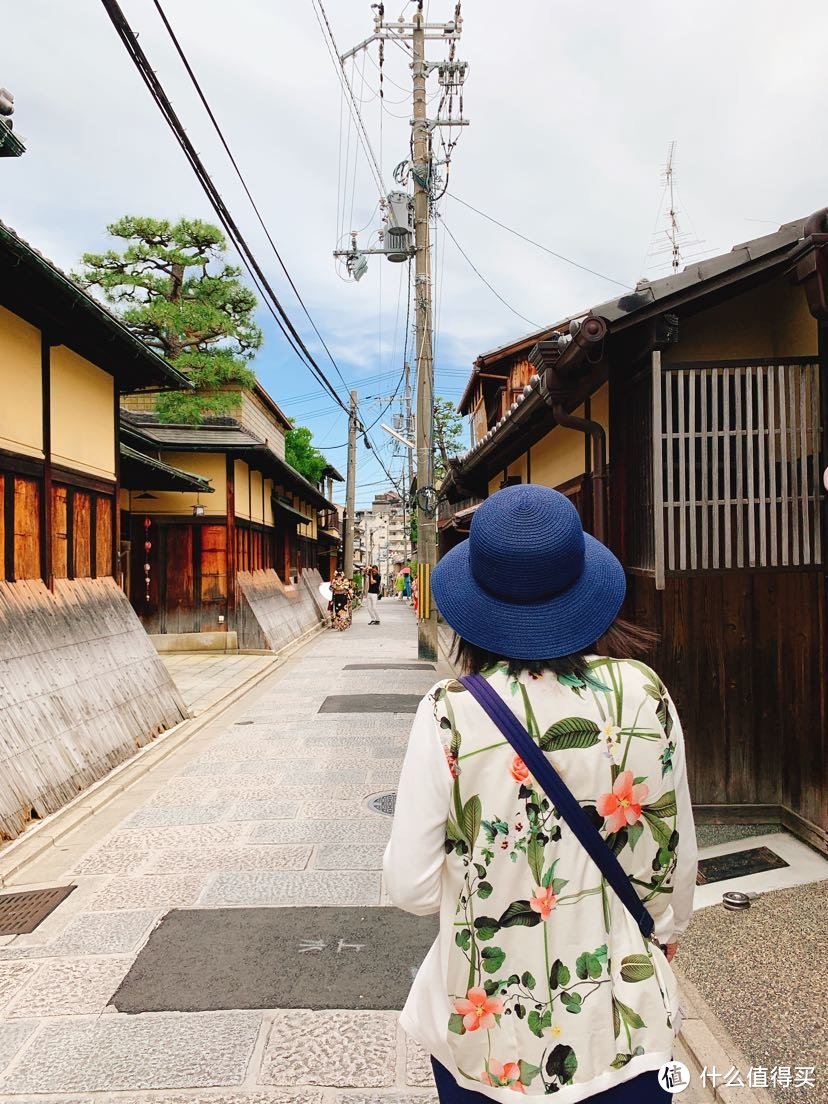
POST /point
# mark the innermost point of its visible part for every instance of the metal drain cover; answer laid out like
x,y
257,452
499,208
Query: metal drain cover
x,y
738,864
384,803
20,913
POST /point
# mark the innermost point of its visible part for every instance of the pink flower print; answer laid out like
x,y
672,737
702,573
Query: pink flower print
x,y
518,770
543,901
451,759
623,805
502,1075
478,1010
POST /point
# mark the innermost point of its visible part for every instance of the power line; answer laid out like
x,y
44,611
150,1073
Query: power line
x,y
531,241
480,275
243,182
156,89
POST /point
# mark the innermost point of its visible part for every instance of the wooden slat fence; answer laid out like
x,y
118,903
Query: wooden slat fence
x,y
735,450
81,689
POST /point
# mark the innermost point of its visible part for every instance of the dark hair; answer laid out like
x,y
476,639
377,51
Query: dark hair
x,y
622,639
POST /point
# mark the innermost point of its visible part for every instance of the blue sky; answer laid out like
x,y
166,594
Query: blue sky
x,y
572,104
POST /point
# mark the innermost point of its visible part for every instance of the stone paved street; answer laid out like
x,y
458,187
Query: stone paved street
x,y
267,807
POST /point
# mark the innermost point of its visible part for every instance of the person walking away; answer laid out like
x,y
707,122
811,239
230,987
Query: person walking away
x,y
550,975
373,594
341,591
407,582
399,586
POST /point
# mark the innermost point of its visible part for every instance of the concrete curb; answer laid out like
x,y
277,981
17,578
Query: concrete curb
x,y
709,1044
19,853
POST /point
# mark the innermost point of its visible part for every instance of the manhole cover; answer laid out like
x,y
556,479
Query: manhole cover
x,y
737,864
370,703
20,913
383,803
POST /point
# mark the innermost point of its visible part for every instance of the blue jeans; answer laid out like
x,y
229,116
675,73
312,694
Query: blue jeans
x,y
643,1089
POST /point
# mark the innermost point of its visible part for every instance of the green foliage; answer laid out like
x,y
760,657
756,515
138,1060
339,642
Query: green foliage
x,y
172,286
301,454
448,436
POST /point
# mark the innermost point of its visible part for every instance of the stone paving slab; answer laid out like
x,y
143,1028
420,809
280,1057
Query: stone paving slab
x,y
107,859
228,860
98,933
137,1052
182,791
160,816
12,1038
340,1049
149,892
417,1065
13,976
349,832
348,857
343,810
176,835
71,987
386,1098
254,808
336,887
209,1096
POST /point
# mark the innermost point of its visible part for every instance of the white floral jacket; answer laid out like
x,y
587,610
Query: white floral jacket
x,y
540,981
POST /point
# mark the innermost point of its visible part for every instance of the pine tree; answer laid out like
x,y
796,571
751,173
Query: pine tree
x,y
173,287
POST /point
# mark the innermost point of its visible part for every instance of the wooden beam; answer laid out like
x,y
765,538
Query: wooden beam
x,y
231,543
8,521
46,519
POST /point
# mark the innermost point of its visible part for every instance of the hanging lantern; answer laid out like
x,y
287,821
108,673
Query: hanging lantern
x,y
147,550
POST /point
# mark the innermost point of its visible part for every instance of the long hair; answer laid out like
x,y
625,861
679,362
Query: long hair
x,y
622,640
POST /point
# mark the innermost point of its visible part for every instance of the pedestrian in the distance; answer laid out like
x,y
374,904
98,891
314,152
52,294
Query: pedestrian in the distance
x,y
342,592
373,594
543,811
407,582
399,586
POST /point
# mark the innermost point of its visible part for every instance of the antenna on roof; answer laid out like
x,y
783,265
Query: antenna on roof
x,y
670,239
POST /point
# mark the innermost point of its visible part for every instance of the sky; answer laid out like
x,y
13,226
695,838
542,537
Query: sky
x,y
572,105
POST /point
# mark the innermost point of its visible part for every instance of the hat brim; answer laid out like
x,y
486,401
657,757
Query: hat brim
x,y
566,624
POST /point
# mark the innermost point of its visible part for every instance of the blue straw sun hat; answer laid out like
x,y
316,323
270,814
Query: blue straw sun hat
x,y
529,583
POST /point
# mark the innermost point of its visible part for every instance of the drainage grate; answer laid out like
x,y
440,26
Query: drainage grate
x,y
737,864
384,803
370,703
20,913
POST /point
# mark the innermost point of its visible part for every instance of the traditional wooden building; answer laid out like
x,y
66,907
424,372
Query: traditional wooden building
x,y
260,516
80,684
687,422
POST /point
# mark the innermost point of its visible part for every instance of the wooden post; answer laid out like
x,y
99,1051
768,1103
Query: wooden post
x,y
116,504
230,554
46,520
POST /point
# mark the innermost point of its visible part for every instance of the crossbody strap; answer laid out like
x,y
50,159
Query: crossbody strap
x,y
561,797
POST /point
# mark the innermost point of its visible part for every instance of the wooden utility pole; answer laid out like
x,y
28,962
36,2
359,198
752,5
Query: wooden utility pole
x,y
350,492
426,519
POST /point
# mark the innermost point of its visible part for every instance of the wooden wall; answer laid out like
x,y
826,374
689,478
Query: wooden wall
x,y
82,689
744,656
272,615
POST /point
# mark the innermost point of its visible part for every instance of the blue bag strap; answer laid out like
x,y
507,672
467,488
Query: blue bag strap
x,y
561,797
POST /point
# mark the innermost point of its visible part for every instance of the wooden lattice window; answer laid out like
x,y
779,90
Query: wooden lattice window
x,y
736,469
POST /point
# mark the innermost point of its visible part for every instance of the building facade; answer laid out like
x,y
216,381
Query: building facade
x,y
686,421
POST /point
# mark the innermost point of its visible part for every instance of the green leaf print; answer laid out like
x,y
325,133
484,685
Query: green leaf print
x,y
486,927
572,732
665,806
484,890
590,964
559,974
463,939
492,959
636,967
456,1024
661,831
634,833
528,1072
534,853
538,1022
519,915
571,1002
630,1017
562,1064
472,817
528,980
